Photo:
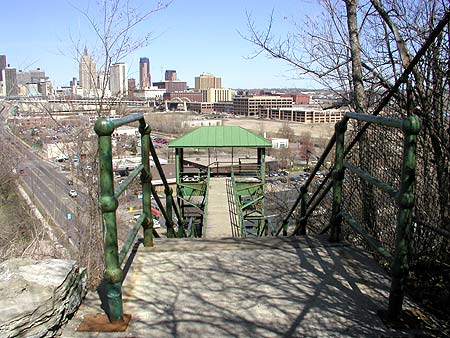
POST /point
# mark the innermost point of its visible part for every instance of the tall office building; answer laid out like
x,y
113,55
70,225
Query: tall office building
x,y
2,83
118,79
11,81
88,73
170,75
206,81
214,95
145,78
32,76
102,80
38,75
131,86
2,65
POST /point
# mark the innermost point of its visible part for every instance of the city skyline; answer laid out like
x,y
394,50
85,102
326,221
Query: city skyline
x,y
191,38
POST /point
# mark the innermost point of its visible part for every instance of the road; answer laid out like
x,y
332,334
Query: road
x,y
46,185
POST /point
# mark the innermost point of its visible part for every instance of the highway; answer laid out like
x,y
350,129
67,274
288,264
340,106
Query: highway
x,y
46,185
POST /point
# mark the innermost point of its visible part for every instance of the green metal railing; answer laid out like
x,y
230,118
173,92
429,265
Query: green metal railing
x,y
205,204
233,210
108,201
239,225
404,196
247,213
191,194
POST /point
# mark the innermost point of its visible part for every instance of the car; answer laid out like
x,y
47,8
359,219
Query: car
x,y
69,181
73,193
156,224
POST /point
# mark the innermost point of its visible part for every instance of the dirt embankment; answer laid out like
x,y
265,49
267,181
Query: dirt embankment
x,y
317,131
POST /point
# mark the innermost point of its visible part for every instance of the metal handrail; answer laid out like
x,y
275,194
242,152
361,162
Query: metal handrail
x,y
205,206
304,188
123,186
170,201
404,197
240,217
108,200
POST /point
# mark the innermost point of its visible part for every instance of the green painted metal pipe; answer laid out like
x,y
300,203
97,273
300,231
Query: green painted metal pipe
x,y
169,219
243,232
338,177
308,182
301,224
108,205
114,307
436,229
385,121
319,188
130,239
165,183
205,204
262,223
127,119
191,232
372,180
165,213
374,243
146,179
406,199
316,202
122,187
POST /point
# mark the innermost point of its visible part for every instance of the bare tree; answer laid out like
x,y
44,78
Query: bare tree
x,y
114,24
307,147
286,131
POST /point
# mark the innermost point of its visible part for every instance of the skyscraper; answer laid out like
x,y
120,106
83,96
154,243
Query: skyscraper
x,y
206,81
2,65
118,79
102,81
88,73
170,75
11,81
145,78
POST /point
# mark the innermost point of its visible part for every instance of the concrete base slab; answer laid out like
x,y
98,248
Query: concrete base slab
x,y
302,287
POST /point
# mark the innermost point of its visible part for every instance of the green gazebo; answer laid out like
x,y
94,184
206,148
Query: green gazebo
x,y
246,193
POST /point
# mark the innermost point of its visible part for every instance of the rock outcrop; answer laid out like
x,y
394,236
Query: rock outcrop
x,y
38,297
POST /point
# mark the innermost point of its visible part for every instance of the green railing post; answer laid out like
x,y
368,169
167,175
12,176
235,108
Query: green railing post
x,y
338,177
285,226
169,220
405,200
146,181
302,220
108,204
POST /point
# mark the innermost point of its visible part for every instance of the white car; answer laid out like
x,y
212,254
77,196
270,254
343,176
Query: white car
x,y
156,223
73,193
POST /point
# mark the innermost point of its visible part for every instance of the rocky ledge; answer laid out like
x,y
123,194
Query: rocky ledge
x,y
38,297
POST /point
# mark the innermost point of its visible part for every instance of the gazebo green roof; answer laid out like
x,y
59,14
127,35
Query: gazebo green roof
x,y
220,137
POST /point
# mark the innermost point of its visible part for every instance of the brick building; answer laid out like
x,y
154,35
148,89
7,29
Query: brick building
x,y
250,106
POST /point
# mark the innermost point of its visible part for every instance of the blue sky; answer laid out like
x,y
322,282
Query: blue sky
x,y
192,37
